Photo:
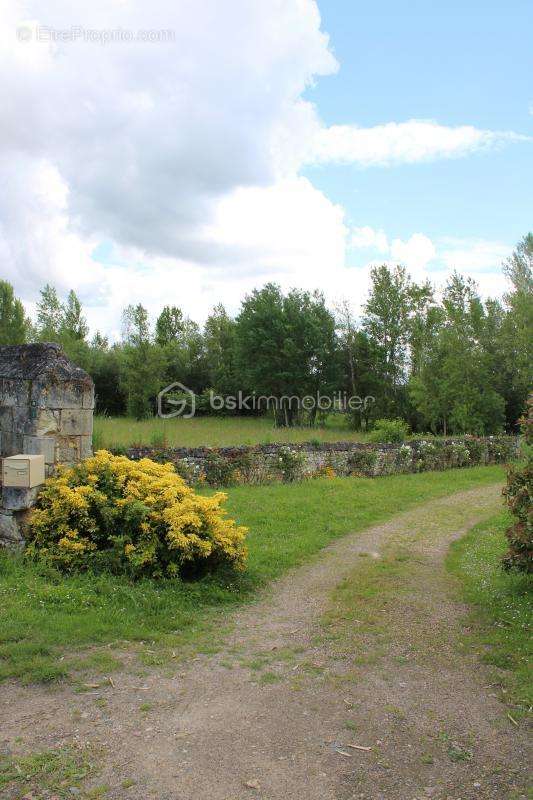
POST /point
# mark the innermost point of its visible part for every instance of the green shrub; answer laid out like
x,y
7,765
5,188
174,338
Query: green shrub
x,y
519,495
476,450
219,470
362,462
405,458
389,431
135,517
290,463
456,454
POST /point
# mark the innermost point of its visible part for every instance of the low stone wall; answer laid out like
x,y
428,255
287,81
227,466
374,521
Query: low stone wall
x,y
228,466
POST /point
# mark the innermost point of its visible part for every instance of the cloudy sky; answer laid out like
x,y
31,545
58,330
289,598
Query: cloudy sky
x,y
255,140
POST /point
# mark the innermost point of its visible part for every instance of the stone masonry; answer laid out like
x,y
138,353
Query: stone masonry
x,y
46,408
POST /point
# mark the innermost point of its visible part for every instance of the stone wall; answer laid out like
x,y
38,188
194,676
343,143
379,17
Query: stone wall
x,y
274,462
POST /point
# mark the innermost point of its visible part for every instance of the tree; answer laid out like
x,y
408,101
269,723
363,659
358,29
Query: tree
x,y
363,369
143,367
517,329
106,367
286,348
13,322
398,319
49,315
454,388
219,340
169,326
182,346
73,323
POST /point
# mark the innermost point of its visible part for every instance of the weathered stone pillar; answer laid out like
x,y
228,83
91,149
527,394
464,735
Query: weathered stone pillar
x,y
46,408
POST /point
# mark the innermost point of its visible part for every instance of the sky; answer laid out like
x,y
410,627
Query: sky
x,y
258,140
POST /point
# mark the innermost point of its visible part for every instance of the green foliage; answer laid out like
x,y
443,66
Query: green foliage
x,y
219,335
73,323
289,463
136,517
456,454
519,496
286,348
219,471
501,622
515,365
362,462
229,469
49,315
454,390
389,430
143,364
14,327
169,326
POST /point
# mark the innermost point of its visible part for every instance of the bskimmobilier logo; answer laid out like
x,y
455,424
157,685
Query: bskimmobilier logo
x,y
176,400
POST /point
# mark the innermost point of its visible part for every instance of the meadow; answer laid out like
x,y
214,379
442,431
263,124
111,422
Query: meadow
x,y
214,431
50,621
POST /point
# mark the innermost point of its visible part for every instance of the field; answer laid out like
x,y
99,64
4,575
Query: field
x,y
213,432
47,617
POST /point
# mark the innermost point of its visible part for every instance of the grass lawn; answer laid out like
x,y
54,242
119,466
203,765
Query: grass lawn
x,y
46,620
213,431
502,607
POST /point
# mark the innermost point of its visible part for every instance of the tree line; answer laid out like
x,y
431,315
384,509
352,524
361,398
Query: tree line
x,y
449,364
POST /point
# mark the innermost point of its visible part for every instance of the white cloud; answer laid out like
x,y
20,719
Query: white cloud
x,y
426,259
148,137
416,252
367,237
474,255
402,143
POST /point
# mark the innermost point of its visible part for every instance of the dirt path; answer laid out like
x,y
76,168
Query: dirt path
x,y
273,714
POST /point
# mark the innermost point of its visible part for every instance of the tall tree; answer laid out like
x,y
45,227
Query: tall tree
x,y
517,329
183,348
142,374
454,389
219,339
13,322
49,315
169,326
397,318
73,323
286,347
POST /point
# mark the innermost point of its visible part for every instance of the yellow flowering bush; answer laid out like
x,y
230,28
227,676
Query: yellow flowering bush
x,y
137,517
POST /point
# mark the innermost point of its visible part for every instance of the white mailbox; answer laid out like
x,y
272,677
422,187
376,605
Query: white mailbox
x,y
23,471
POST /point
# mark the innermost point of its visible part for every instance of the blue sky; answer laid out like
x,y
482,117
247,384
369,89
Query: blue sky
x,y
296,141
457,63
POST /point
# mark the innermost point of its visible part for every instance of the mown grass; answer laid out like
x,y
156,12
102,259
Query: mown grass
x,y
214,431
501,618
48,620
